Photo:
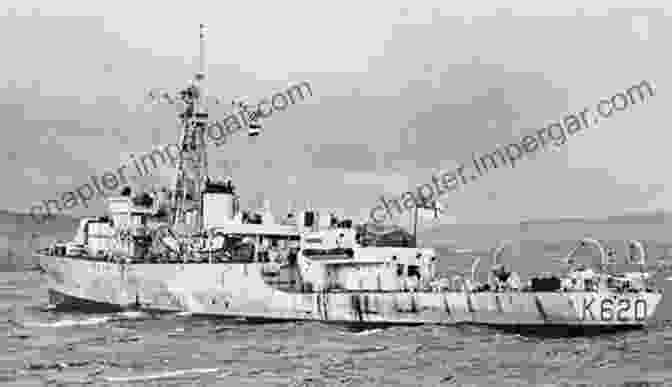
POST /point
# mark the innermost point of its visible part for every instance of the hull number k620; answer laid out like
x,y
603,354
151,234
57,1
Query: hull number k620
x,y
614,309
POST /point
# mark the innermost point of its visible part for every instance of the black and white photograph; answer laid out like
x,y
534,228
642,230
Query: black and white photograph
x,y
313,193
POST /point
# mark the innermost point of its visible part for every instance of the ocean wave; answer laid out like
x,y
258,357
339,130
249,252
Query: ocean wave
x,y
159,375
65,323
98,320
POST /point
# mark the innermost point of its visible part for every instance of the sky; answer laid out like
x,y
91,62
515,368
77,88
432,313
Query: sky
x,y
400,90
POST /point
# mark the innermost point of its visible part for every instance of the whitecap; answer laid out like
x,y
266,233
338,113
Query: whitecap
x,y
368,332
158,375
65,323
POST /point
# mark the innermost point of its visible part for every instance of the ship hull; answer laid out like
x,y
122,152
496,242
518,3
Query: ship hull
x,y
240,290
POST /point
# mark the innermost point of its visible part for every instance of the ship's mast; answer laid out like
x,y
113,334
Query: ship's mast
x,y
192,166
192,169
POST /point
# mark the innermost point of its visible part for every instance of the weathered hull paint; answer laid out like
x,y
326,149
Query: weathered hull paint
x,y
239,290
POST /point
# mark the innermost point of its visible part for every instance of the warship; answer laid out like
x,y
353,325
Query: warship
x,y
192,249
